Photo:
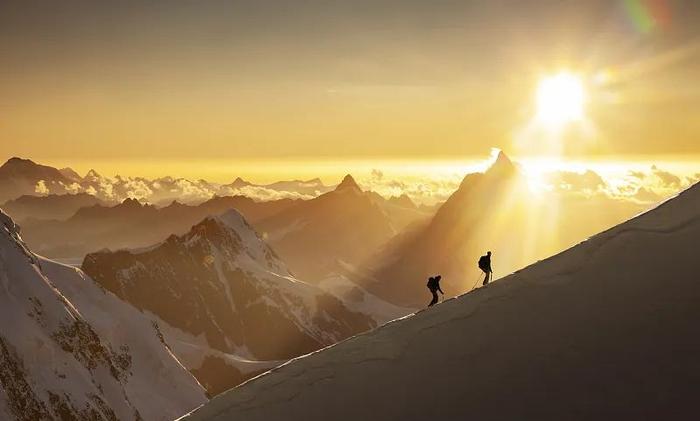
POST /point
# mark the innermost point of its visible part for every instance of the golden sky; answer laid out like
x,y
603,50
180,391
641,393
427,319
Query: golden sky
x,y
183,81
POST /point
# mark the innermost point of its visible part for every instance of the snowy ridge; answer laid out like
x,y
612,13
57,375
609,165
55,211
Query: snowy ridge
x,y
227,295
69,349
604,330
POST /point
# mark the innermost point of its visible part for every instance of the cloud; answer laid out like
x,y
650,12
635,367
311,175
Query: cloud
x,y
261,193
420,190
666,177
73,188
41,188
645,195
586,182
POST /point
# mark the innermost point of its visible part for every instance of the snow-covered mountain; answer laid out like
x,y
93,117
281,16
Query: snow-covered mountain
x,y
71,350
605,330
230,295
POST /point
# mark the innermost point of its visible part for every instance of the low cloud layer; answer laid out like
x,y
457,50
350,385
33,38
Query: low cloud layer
x,y
162,191
645,186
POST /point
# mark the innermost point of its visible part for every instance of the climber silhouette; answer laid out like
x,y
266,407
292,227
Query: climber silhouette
x,y
485,266
434,287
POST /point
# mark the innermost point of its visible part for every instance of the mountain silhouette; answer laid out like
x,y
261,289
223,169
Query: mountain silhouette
x,y
132,224
20,176
348,183
604,330
53,206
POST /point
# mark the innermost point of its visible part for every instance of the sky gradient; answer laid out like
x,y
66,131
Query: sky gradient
x,y
181,80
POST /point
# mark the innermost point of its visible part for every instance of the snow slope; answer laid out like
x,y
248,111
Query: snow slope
x,y
359,299
605,330
71,350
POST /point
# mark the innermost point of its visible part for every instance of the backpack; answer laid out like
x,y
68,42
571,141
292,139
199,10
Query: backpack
x,y
482,262
431,284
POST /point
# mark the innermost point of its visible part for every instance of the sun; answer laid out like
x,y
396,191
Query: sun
x,y
560,99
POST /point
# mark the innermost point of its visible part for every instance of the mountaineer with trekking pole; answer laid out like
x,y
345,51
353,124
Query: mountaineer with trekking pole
x,y
434,287
485,266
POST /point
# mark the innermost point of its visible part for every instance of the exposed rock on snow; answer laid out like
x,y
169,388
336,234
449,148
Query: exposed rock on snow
x,y
71,350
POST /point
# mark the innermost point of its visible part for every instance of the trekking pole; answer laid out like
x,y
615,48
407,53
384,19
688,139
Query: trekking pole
x,y
474,285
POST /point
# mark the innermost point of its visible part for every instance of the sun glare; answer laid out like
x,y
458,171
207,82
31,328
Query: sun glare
x,y
560,99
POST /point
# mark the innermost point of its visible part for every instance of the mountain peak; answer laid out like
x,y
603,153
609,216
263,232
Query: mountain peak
x,y
92,174
403,200
239,182
502,164
232,219
348,183
131,202
17,161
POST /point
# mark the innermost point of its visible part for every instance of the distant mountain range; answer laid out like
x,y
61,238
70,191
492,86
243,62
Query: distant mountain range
x,y
52,206
23,177
228,295
132,224
71,350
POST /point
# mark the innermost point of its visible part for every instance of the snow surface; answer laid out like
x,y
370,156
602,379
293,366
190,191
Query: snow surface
x,y
605,330
68,346
359,299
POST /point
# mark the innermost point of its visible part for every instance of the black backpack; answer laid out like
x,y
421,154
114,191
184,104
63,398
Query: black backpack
x,y
431,284
482,262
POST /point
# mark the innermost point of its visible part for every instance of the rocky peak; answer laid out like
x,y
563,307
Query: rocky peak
x,y
92,174
403,201
348,183
131,203
239,182
16,162
502,165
